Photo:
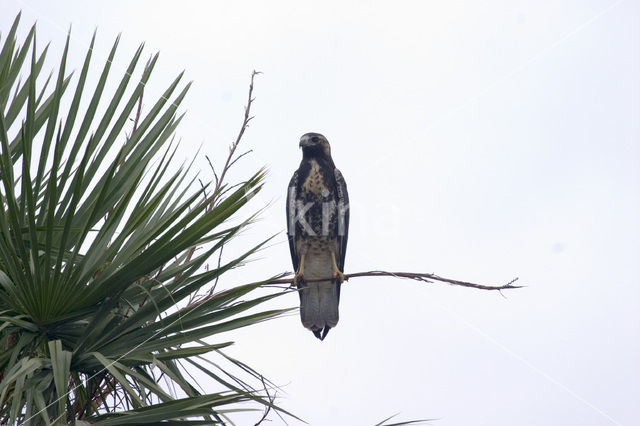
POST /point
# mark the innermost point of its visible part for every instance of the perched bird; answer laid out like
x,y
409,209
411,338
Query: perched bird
x,y
318,227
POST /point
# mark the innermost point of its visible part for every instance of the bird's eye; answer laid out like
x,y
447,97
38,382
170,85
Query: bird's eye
x,y
314,139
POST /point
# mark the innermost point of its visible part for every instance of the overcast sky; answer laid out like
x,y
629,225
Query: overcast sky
x,y
480,141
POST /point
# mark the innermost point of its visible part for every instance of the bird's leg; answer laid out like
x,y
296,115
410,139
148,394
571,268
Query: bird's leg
x,y
335,271
300,272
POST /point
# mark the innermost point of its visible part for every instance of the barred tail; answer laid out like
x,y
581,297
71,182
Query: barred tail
x,y
319,307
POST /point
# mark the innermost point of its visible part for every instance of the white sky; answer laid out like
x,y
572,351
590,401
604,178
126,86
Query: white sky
x,y
480,141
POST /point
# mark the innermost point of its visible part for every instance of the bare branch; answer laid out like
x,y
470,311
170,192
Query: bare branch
x,y
204,191
232,149
270,398
219,190
213,169
424,277
240,156
231,187
215,284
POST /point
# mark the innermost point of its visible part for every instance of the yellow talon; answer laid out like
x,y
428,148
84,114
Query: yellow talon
x,y
300,272
335,271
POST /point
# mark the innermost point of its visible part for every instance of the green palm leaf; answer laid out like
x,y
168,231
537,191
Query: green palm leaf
x,y
96,254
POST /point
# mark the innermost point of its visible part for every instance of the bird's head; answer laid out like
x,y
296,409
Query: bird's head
x,y
314,145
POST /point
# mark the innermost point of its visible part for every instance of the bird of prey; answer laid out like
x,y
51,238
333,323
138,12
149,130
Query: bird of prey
x,y
318,227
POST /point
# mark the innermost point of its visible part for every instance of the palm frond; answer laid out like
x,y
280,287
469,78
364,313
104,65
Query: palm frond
x,y
97,230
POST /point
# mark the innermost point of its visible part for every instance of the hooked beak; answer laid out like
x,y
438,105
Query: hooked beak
x,y
305,143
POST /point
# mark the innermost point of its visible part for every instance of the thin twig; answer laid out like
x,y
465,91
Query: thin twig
x,y
424,277
215,284
216,195
213,169
231,187
240,156
234,145
270,398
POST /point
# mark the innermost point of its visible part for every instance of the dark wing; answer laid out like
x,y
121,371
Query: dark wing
x,y
291,216
343,216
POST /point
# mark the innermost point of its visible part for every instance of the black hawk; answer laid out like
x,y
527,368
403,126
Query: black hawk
x,y
318,227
